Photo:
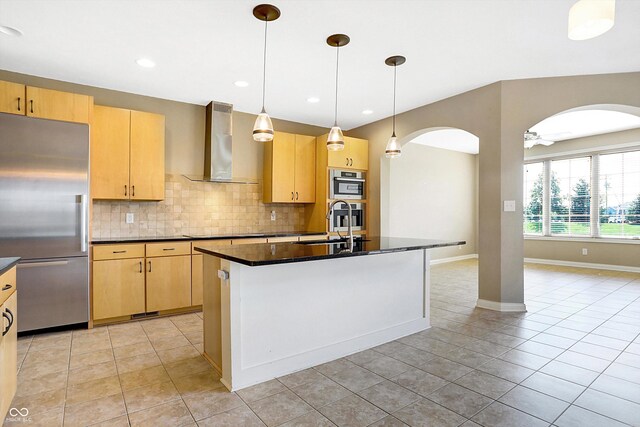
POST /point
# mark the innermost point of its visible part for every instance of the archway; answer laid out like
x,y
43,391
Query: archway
x,y
581,180
431,191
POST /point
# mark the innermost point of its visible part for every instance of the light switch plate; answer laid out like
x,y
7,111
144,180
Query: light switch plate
x,y
509,205
129,218
273,215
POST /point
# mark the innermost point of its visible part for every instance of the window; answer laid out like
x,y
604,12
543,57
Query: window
x,y
558,196
533,189
571,196
619,205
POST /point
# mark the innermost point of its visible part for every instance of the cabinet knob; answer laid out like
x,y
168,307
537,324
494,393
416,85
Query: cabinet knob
x,y
347,162
292,195
296,195
149,266
31,102
133,191
140,262
18,103
125,189
6,287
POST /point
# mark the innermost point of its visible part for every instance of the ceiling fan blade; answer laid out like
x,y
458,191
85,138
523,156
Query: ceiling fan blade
x,y
529,143
545,142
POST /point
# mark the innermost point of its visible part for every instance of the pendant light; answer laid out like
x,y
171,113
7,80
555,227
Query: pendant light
x,y
393,148
335,140
591,18
263,128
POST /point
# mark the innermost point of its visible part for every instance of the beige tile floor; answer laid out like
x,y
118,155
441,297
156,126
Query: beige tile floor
x,y
572,360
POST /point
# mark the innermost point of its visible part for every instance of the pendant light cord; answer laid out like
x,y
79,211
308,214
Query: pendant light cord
x,y
394,100
335,120
264,63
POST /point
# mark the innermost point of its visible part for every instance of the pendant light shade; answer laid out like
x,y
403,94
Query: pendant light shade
x,y
335,140
591,18
393,148
263,128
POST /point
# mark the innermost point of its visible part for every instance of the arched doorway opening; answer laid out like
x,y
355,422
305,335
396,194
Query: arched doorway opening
x,y
431,191
581,187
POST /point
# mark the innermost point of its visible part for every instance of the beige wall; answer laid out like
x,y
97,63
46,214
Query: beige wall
x,y
499,114
432,194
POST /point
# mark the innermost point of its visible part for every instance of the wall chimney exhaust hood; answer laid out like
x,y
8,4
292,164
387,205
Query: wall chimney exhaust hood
x,y
218,147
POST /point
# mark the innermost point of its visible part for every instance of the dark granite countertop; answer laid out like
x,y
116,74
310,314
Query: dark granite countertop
x,y
99,241
7,263
281,253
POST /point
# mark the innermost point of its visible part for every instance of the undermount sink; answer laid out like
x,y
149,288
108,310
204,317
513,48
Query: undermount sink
x,y
330,242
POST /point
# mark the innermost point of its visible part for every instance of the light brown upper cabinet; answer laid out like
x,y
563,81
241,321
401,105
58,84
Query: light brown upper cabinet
x,y
290,169
127,154
355,155
50,104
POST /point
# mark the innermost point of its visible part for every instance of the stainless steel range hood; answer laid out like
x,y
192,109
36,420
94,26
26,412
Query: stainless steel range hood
x,y
218,146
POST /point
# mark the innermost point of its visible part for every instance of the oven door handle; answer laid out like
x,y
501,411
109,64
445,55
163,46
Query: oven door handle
x,y
350,179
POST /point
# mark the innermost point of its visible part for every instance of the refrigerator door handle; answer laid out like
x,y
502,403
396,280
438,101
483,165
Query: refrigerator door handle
x,y
84,212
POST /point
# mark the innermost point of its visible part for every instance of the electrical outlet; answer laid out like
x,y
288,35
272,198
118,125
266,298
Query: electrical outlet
x,y
585,251
273,215
509,205
129,218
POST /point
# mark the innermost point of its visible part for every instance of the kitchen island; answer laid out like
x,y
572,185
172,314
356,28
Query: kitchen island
x,y
274,309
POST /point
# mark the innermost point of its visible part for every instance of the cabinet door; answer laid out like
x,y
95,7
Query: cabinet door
x,y
56,105
9,349
358,153
12,98
110,153
283,167
146,172
168,282
118,288
197,281
305,169
339,159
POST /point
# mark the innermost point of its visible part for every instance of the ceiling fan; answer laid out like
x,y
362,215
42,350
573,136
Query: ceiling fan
x,y
533,138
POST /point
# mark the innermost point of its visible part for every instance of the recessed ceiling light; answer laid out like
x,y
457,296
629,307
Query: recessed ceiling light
x,y
367,112
313,100
145,62
10,31
241,83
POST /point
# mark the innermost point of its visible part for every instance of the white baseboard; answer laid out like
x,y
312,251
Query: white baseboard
x,y
453,259
592,265
501,306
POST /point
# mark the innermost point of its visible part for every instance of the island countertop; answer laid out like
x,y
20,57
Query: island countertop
x,y
7,263
282,253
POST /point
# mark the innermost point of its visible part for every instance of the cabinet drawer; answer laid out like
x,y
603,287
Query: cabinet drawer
x,y
208,244
103,252
168,249
7,284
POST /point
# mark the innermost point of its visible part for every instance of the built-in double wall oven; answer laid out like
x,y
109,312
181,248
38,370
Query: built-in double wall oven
x,y
349,186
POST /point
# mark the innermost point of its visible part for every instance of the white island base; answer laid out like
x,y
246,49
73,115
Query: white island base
x,y
267,321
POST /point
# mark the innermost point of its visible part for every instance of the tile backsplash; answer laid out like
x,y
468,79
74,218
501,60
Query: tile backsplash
x,y
196,208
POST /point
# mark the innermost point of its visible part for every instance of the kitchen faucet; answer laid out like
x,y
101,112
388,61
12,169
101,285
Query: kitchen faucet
x,y
350,229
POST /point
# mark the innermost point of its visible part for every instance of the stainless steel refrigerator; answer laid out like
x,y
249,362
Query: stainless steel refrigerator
x,y
44,186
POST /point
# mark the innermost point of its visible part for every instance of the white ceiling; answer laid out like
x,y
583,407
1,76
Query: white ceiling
x,y
202,47
450,139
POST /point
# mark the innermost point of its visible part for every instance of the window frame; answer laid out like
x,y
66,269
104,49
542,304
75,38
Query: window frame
x,y
594,154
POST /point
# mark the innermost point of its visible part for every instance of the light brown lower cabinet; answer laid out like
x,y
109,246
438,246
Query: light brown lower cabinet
x,y
118,288
8,352
168,282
